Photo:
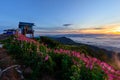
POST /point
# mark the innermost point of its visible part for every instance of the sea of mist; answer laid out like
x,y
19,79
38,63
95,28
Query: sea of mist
x,y
109,42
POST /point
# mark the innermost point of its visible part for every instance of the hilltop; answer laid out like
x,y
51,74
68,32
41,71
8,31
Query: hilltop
x,y
47,59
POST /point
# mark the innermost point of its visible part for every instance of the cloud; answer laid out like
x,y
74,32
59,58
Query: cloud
x,y
71,29
61,27
67,24
98,28
50,28
106,29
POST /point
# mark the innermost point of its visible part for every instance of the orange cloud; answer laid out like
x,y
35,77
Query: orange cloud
x,y
107,29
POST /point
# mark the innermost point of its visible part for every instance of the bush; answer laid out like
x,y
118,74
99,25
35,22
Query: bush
x,y
60,65
51,43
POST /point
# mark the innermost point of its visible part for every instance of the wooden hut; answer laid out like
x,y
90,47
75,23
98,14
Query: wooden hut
x,y
26,28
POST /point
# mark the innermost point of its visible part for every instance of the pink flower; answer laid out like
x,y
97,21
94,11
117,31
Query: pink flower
x,y
110,76
24,38
74,61
47,57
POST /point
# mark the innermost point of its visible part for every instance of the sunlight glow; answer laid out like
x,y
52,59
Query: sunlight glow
x,y
107,29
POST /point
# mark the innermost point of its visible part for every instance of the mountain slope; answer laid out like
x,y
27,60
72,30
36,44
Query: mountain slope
x,y
66,43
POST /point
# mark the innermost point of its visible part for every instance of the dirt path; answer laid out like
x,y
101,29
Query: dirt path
x,y
7,61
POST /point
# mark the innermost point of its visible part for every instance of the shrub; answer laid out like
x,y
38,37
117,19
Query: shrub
x,y
61,65
51,43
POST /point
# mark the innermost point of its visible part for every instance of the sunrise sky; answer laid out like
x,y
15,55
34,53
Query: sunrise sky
x,y
63,16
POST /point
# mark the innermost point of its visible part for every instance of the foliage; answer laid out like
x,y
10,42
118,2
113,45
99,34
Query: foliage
x,y
82,48
49,42
60,63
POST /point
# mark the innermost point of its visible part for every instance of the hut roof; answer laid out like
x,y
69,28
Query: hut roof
x,y
26,24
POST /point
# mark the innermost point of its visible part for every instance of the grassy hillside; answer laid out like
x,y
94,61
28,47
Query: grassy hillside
x,y
46,59
66,43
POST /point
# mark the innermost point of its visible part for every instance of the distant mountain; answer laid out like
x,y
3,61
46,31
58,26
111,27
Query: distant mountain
x,y
79,35
67,41
64,40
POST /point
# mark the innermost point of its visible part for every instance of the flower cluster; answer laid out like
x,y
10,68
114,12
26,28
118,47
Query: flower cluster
x,y
21,37
89,61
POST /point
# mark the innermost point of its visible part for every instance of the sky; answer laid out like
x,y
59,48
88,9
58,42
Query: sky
x,y
63,16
